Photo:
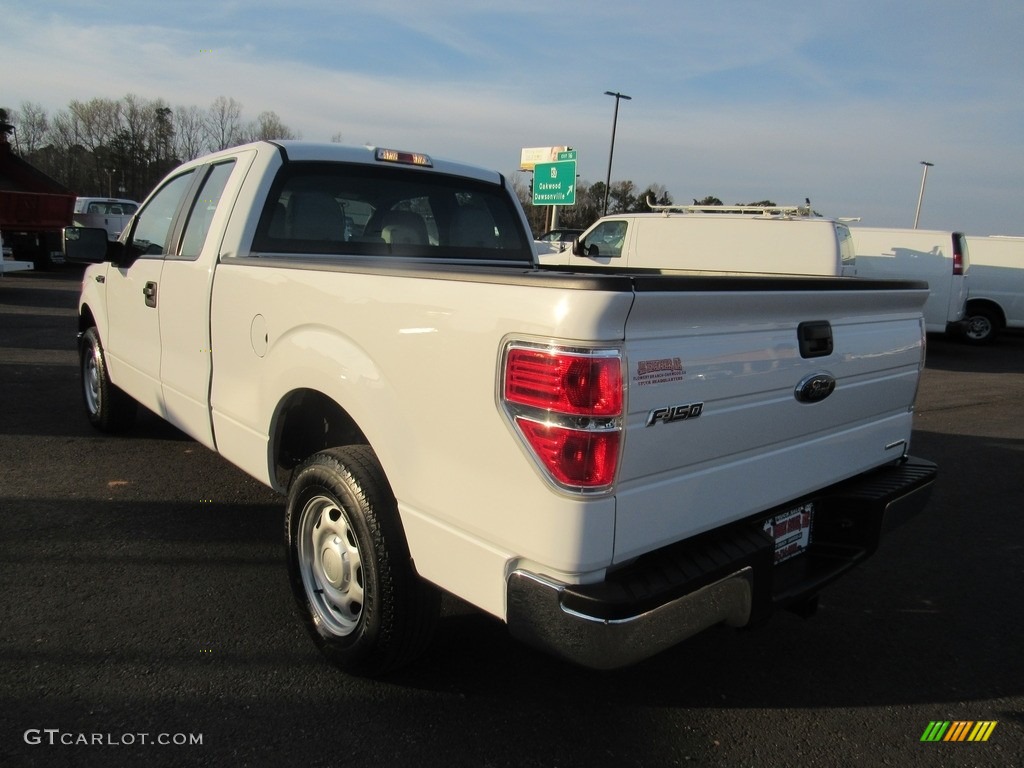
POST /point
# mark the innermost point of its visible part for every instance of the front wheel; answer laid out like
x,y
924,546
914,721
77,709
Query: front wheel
x,y
349,566
982,326
108,408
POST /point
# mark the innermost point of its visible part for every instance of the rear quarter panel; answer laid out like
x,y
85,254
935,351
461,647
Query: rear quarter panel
x,y
414,361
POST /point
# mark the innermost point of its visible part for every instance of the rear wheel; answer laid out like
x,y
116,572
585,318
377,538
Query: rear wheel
x,y
982,325
349,565
108,408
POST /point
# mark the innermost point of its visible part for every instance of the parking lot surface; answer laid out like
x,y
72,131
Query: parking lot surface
x,y
146,619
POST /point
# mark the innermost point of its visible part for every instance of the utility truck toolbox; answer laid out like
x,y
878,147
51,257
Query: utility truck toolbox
x,y
608,460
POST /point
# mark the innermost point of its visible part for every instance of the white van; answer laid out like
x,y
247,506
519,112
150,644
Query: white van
x,y
723,239
995,298
109,213
939,257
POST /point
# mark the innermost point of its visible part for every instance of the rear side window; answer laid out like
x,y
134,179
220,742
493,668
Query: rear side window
x,y
350,209
198,226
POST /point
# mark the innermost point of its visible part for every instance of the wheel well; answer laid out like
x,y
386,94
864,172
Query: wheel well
x,y
86,320
307,422
975,305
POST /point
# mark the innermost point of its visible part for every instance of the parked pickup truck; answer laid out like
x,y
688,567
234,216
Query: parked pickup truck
x,y
609,461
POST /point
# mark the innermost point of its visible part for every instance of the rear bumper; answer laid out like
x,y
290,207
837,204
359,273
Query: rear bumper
x,y
725,576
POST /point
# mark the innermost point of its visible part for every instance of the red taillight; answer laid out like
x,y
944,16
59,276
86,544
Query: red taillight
x,y
574,457
958,262
570,384
567,405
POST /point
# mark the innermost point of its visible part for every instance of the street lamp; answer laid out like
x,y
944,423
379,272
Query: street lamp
x,y
611,152
920,195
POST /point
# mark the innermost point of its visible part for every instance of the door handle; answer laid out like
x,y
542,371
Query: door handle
x,y
150,293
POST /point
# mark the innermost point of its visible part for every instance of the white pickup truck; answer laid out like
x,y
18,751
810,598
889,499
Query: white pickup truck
x,y
609,461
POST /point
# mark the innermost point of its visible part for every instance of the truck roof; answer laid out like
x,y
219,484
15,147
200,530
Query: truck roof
x,y
311,151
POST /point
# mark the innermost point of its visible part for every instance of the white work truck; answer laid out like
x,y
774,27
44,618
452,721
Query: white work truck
x,y
609,461
762,239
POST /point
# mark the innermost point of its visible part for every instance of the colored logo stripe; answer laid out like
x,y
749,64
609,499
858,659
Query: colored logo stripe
x,y
982,731
958,730
935,731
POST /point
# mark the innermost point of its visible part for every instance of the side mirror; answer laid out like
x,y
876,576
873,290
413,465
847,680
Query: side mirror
x,y
85,244
578,247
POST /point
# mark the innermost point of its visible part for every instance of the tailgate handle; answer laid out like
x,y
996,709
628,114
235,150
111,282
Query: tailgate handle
x,y
815,338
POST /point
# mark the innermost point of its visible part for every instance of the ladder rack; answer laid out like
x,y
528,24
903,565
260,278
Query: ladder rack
x,y
769,211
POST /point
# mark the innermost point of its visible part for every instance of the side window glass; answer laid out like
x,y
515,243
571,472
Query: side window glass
x,y
607,239
153,227
198,226
846,252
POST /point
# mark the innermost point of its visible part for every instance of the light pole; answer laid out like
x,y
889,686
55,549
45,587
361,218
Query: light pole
x,y
611,152
920,195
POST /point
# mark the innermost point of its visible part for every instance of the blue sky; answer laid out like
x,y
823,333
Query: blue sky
x,y
838,102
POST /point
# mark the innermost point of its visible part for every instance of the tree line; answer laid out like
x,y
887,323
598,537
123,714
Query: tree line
x,y
123,147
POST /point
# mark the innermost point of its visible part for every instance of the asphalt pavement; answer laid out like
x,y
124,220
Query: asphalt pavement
x,y
146,619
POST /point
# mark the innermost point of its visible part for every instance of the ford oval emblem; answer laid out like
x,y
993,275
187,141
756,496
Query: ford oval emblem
x,y
815,388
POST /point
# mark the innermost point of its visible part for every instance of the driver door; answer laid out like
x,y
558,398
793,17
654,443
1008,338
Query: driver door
x,y
133,295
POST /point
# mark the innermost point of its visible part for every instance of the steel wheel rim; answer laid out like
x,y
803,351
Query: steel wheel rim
x,y
979,327
91,381
331,565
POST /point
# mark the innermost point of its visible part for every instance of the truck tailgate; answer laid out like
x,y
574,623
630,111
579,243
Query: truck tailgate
x,y
729,414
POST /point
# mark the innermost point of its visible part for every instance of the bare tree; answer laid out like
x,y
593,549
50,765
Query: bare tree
x,y
70,162
189,133
32,127
267,127
223,123
99,121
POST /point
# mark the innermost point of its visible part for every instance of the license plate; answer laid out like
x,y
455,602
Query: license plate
x,y
791,531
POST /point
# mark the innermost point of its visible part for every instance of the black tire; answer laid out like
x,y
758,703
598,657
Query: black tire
x,y
349,566
109,409
982,325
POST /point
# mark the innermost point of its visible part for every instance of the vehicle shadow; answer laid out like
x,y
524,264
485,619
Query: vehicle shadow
x,y
183,620
1003,355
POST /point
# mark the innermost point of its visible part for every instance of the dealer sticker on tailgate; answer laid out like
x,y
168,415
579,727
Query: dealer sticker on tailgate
x,y
791,531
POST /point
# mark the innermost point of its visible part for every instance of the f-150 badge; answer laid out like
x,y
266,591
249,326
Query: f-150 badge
x,y
671,413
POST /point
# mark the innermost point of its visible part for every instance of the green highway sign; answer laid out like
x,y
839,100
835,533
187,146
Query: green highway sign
x,y
555,183
567,155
